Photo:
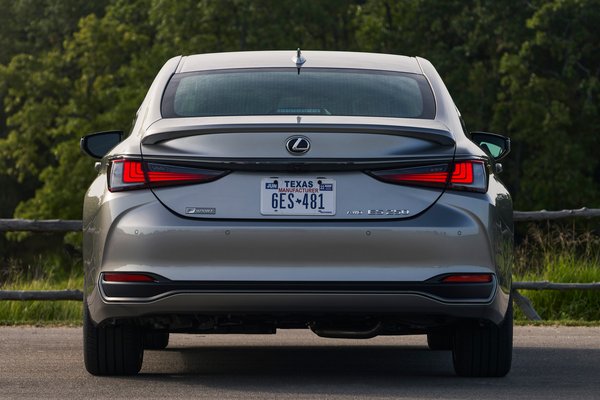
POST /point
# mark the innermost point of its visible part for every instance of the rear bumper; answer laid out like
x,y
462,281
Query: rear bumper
x,y
434,288
397,304
138,234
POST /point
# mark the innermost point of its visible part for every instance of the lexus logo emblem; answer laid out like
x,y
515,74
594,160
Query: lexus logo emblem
x,y
297,145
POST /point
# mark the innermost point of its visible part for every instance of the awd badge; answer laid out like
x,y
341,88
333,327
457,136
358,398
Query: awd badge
x,y
200,210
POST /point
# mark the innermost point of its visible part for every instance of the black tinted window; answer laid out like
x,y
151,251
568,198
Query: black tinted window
x,y
312,92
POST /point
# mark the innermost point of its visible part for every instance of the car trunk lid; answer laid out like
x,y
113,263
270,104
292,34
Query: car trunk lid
x,y
342,151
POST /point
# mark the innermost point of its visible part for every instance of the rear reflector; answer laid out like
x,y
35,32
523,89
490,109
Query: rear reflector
x,y
126,277
466,175
132,174
468,278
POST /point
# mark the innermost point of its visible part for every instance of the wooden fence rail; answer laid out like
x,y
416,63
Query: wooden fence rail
x,y
67,294
46,226
34,225
545,285
544,215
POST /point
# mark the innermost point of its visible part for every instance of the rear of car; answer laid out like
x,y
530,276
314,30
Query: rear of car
x,y
340,194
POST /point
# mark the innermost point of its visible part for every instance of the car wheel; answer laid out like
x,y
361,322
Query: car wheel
x,y
111,349
484,350
156,340
439,340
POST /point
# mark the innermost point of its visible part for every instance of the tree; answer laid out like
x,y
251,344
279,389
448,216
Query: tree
x,y
526,69
93,81
549,106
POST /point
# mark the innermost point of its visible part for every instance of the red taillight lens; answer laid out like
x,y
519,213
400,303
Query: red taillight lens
x,y
132,171
126,277
463,172
469,175
133,174
430,175
468,278
466,175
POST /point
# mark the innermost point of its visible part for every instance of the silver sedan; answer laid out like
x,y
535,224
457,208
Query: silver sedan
x,y
334,191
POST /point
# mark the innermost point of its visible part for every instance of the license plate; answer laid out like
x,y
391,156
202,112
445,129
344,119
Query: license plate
x,y
285,195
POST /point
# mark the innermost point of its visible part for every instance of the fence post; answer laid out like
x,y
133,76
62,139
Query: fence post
x,y
525,305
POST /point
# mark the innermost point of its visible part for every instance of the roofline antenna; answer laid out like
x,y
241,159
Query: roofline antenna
x,y
299,59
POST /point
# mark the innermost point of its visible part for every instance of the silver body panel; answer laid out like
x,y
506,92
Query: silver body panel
x,y
444,232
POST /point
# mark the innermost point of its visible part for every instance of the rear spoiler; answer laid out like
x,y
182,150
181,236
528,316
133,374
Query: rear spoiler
x,y
439,136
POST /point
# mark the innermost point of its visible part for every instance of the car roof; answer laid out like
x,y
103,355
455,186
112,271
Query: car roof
x,y
283,58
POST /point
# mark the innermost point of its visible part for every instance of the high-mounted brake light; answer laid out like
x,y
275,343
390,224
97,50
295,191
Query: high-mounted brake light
x,y
126,277
466,175
132,174
468,278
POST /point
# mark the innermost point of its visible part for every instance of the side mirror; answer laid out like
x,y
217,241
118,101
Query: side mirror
x,y
497,146
96,145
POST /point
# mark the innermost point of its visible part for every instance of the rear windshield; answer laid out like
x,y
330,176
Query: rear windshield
x,y
283,91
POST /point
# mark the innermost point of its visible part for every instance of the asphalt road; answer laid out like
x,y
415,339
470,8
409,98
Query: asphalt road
x,y
549,363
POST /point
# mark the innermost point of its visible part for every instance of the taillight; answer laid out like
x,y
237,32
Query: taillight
x,y
468,278
132,174
466,175
126,277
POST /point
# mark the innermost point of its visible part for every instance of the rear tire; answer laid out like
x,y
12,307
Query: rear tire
x,y
484,350
156,340
111,349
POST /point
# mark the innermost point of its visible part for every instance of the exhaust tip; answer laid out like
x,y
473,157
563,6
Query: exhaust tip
x,y
347,331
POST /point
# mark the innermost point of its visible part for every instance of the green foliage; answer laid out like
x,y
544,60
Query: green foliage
x,y
33,26
549,106
55,98
527,69
71,67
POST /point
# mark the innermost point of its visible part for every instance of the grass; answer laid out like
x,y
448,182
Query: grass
x,y
582,305
42,312
562,256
